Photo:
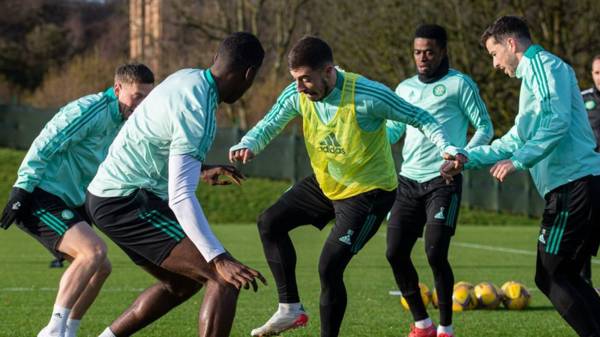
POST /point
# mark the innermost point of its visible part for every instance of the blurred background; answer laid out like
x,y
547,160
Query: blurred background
x,y
54,51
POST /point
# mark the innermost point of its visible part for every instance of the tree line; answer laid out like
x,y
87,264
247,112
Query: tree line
x,y
77,41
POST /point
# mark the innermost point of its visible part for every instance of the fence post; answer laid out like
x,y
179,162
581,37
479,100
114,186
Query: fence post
x,y
466,188
496,196
293,134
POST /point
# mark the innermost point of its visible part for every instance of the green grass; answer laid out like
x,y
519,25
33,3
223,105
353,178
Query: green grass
x,y
371,310
250,199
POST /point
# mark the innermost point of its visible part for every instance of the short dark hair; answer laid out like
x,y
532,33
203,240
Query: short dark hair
x,y
134,73
240,51
433,32
504,27
596,58
310,51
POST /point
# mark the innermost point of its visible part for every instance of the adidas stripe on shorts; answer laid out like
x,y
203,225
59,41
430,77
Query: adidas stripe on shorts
x,y
570,219
141,224
48,219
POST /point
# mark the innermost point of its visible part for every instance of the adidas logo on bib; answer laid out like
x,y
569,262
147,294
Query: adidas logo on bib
x,y
331,145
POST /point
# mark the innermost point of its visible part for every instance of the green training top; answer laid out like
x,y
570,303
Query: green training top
x,y
374,103
552,136
454,102
64,157
176,118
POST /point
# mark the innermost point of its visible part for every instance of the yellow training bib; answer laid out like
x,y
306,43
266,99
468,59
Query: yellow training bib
x,y
347,160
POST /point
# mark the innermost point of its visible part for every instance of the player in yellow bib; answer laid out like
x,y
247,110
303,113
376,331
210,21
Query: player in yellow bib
x,y
354,182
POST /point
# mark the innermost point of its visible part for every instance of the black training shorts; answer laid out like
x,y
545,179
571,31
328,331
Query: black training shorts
x,y
141,224
357,218
48,218
431,203
570,219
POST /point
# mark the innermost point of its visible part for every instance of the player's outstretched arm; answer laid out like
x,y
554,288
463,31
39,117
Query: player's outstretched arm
x,y
392,107
184,175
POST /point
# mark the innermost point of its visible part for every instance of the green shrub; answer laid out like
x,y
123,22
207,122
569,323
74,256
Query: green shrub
x,y
243,204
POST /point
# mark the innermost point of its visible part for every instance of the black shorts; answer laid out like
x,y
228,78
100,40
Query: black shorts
x,y
431,203
357,218
48,219
141,224
570,220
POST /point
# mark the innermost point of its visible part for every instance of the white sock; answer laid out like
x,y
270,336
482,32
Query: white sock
x,y
58,321
424,323
290,307
445,329
107,333
72,327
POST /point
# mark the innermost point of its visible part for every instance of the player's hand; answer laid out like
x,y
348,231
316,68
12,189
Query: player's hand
x,y
461,158
244,155
449,169
236,273
502,169
211,173
17,202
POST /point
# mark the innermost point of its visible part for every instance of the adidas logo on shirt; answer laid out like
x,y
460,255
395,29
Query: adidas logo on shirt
x,y
331,145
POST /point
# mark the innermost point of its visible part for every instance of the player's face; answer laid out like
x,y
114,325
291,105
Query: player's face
x,y
311,82
428,55
130,95
596,73
503,55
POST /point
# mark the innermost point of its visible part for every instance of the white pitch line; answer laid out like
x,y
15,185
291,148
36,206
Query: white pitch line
x,y
496,248
32,289
503,249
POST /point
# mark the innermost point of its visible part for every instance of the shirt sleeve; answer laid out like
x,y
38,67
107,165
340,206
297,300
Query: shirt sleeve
x,y
395,130
184,175
283,111
474,108
69,126
192,131
500,149
388,105
550,85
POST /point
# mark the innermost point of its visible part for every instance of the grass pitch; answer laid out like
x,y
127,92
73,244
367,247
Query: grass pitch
x,y
478,253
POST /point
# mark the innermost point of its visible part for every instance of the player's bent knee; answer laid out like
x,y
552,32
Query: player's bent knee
x,y
436,257
95,254
182,291
393,255
105,269
267,221
222,287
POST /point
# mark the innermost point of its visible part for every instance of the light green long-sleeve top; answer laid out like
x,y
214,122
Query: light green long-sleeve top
x,y
66,154
375,103
455,103
552,137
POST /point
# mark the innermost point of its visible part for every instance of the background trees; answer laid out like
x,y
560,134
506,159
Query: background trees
x,y
52,51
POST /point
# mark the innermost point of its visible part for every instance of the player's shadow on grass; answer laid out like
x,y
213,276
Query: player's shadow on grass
x,y
540,308
497,267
